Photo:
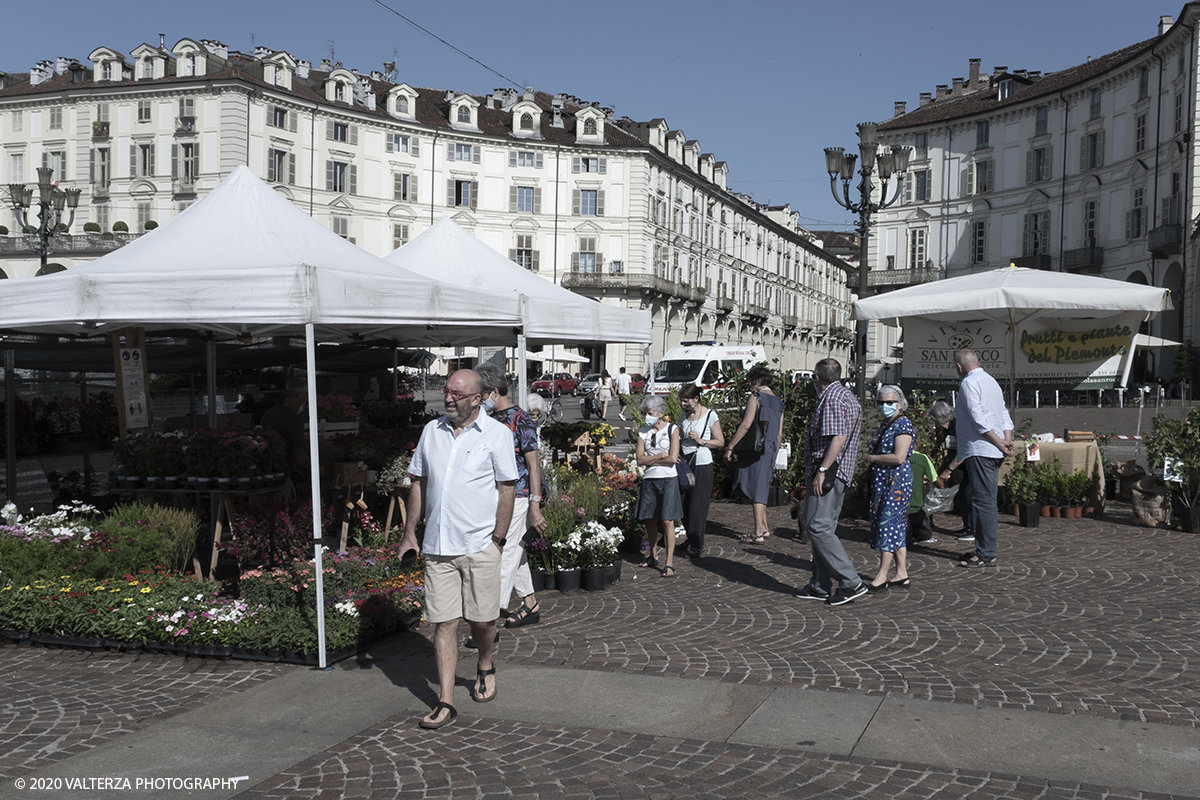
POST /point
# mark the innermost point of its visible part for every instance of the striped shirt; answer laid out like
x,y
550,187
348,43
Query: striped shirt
x,y
838,413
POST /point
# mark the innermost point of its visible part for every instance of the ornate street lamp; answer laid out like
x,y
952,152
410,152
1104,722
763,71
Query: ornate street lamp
x,y
840,164
51,203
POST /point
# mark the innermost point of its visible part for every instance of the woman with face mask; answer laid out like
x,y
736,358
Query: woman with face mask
x,y
891,488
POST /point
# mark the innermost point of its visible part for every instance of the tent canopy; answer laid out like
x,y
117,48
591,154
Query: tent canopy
x,y
1013,294
245,261
551,314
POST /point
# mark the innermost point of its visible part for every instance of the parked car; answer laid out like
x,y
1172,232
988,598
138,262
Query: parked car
x,y
637,383
589,383
554,384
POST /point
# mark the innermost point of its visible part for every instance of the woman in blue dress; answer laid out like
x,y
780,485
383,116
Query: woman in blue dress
x,y
754,472
891,487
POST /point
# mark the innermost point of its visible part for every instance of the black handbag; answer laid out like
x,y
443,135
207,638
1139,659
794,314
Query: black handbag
x,y
687,478
830,477
754,443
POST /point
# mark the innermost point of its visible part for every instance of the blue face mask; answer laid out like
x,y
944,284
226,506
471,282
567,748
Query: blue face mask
x,y
888,409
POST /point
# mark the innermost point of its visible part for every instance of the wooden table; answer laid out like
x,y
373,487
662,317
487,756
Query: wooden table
x,y
1071,456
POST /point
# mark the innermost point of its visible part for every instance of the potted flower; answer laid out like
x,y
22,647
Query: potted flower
x,y
1022,491
337,414
600,545
394,475
1174,449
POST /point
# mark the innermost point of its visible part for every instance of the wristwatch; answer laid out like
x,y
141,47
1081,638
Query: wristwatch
x,y
822,469
500,542
535,498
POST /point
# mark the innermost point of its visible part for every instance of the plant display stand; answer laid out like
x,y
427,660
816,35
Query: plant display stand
x,y
397,498
223,520
582,447
351,479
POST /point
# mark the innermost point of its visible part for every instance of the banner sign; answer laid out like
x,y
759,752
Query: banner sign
x,y
1049,353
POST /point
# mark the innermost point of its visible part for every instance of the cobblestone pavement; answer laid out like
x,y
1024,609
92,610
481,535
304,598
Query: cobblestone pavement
x,y
492,758
1089,617
55,704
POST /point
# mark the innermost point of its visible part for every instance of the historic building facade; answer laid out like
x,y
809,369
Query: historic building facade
x,y
1091,170
627,212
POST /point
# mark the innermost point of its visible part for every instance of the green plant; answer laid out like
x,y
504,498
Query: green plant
x,y
1179,441
91,227
1021,482
120,227
3,230
168,535
150,225
1185,365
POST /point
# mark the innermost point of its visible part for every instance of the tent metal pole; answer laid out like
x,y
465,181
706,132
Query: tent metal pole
x,y
210,354
523,390
10,423
314,436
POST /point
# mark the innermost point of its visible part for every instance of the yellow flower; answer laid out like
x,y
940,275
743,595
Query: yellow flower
x,y
98,589
64,576
133,583
127,599
24,588
146,590
113,590
65,589
5,589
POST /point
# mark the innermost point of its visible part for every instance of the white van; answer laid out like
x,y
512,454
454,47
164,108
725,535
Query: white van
x,y
701,363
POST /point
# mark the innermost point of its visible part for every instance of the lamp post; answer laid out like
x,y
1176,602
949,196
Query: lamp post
x,y
840,164
51,203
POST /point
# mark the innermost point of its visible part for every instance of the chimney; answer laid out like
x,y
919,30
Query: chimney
x,y
609,113
61,64
261,52
41,72
325,65
302,68
942,90
1034,74
926,99
1020,73
1164,24
998,71
162,41
376,75
901,108
958,86
556,111
973,72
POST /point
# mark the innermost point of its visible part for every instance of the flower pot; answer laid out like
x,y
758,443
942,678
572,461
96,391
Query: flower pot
x,y
1089,511
243,484
203,483
538,576
170,481
1056,511
152,481
1013,509
14,636
274,654
568,580
193,650
1029,516
1045,512
610,574
1189,519
593,579
154,647
222,652
551,580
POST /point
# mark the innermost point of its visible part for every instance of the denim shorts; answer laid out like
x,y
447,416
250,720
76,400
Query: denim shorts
x,y
659,499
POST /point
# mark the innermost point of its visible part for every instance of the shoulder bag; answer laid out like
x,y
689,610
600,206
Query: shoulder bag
x,y
687,478
754,443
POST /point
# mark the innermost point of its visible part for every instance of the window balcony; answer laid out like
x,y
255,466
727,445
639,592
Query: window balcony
x,y
725,305
185,125
821,330
755,313
1085,259
1165,240
182,187
1033,262
791,321
601,283
894,278
67,243
99,130
100,191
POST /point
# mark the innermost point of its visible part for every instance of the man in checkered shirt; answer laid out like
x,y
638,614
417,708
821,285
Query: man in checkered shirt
x,y
832,445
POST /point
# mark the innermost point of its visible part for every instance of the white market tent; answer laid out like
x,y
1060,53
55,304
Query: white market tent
x,y
550,314
1013,295
245,261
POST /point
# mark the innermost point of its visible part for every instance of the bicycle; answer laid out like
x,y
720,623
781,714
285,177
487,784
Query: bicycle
x,y
554,410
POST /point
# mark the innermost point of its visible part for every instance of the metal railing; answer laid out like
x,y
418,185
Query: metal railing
x,y
895,277
629,281
1165,240
1033,262
67,243
1084,258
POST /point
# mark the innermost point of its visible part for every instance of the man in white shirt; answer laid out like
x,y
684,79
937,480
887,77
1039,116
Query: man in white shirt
x,y
624,383
985,437
464,476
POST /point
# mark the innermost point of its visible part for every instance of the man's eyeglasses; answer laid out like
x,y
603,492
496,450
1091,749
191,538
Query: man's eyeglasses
x,y
457,395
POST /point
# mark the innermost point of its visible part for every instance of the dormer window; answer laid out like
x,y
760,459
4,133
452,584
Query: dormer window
x,y
147,68
589,127
1006,89
189,65
339,92
527,122
464,115
401,105
106,71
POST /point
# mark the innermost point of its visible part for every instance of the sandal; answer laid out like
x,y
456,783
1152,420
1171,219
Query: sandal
x,y
753,538
437,710
524,616
664,571
904,584
481,684
650,562
975,562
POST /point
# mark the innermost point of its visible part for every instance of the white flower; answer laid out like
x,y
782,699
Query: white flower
x,y
347,607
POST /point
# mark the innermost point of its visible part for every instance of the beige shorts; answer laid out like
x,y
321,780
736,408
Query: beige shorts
x,y
463,586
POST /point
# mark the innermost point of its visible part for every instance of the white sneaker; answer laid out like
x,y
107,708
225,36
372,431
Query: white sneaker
x,y
622,416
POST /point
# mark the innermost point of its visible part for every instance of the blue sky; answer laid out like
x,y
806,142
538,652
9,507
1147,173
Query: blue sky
x,y
762,85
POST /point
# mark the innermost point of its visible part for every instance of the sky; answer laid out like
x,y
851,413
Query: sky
x,y
764,86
